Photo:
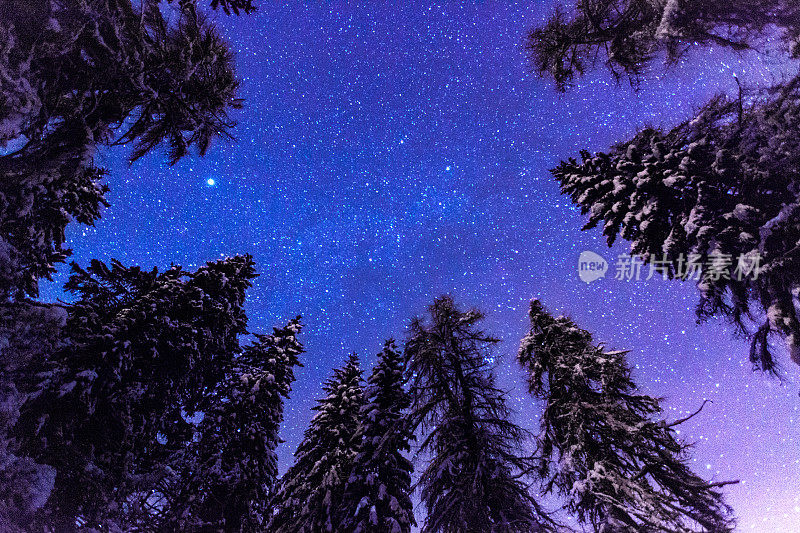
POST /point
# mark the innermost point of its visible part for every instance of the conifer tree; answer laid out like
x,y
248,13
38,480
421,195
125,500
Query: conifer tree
x,y
72,75
107,410
605,446
714,199
471,482
626,35
378,494
27,332
76,75
225,477
310,493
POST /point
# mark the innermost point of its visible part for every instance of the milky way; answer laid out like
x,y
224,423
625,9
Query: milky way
x,y
389,155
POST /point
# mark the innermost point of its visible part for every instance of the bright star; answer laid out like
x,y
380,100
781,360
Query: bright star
x,y
211,182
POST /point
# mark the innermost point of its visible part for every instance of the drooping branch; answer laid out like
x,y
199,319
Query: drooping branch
x,y
686,419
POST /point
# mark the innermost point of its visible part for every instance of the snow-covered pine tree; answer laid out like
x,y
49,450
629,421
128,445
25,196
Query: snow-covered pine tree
x,y
108,409
73,74
377,496
626,35
311,491
225,477
471,482
28,332
605,446
718,192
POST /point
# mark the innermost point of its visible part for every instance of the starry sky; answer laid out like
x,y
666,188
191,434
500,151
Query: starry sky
x,y
392,152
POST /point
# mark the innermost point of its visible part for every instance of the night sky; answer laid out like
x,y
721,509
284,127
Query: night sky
x,y
387,155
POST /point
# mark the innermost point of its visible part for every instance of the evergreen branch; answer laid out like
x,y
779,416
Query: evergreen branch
x,y
686,419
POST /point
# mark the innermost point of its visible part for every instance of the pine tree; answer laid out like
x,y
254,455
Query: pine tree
x,y
74,73
143,351
378,494
471,482
27,331
719,193
226,476
713,199
626,35
311,491
604,445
